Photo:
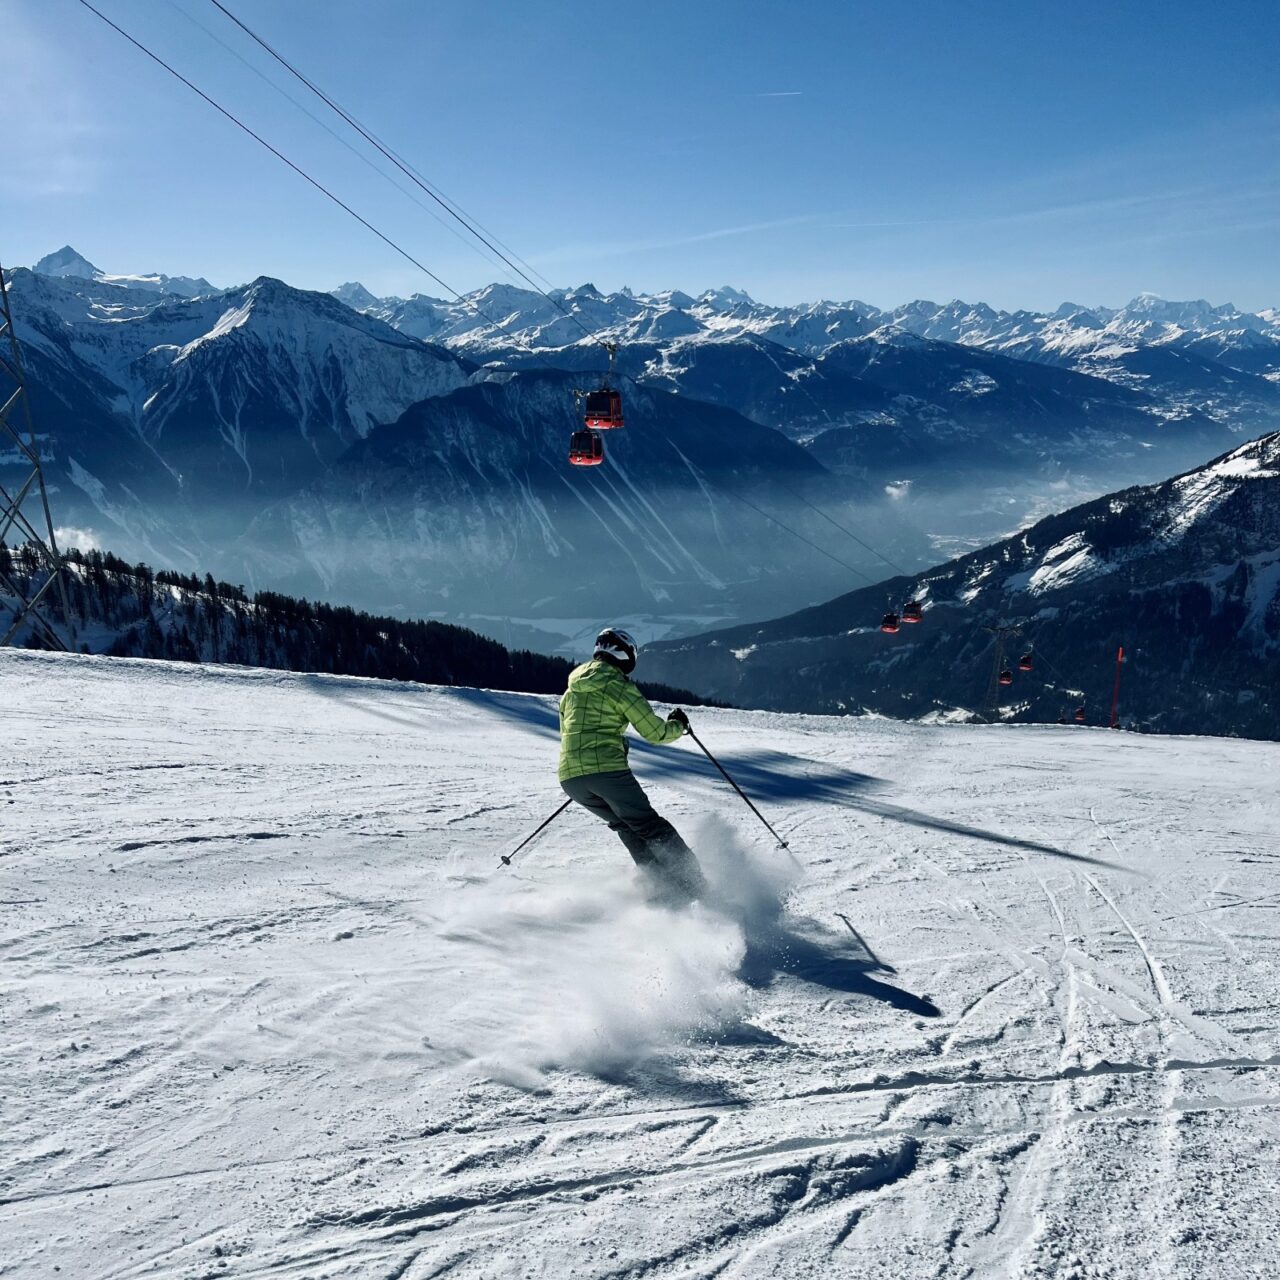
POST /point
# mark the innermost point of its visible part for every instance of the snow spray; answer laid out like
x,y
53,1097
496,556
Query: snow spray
x,y
579,971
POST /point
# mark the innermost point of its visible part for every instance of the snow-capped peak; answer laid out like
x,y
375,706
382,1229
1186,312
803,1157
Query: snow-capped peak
x,y
726,297
1152,306
67,262
355,295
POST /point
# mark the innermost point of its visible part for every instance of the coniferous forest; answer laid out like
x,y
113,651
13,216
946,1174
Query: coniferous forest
x,y
132,611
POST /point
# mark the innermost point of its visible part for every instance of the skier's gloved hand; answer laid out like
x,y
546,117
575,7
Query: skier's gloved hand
x,y
680,718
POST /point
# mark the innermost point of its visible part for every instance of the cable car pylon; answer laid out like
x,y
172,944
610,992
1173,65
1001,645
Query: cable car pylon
x,y
29,611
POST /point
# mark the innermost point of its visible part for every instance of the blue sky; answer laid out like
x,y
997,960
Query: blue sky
x,y
1019,153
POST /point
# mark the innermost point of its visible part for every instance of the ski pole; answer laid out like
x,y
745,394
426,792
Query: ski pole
x,y
505,859
782,844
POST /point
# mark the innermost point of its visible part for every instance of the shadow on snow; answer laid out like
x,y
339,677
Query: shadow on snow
x,y
763,774
786,949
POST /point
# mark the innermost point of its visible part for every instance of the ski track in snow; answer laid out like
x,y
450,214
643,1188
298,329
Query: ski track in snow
x,y
272,1008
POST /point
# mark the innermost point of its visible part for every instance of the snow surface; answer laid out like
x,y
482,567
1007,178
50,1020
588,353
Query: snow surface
x,y
272,1007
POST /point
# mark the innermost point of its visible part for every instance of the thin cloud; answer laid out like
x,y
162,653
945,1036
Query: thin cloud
x,y
1076,209
783,93
570,252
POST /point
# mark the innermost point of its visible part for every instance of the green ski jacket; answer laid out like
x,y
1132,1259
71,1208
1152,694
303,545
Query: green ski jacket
x,y
594,713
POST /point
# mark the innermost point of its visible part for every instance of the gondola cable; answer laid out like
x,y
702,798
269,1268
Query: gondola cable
x,y
354,150
279,155
733,493
831,520
406,170
302,173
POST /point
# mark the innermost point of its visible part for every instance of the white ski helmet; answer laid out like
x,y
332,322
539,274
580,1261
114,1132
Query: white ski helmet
x,y
618,645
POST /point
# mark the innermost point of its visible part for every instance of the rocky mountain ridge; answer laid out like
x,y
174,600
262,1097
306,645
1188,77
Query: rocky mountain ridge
x,y
499,316
1185,575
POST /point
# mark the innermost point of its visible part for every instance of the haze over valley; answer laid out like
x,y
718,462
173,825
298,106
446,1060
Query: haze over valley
x,y
405,455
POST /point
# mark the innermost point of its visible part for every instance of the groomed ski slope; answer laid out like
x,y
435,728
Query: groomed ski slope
x,y
271,1008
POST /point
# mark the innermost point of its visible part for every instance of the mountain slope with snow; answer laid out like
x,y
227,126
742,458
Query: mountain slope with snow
x,y
167,423
1185,575
273,1007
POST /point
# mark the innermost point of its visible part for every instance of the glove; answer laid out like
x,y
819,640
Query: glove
x,y
680,718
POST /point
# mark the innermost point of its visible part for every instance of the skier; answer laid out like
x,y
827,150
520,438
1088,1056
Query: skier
x,y
594,713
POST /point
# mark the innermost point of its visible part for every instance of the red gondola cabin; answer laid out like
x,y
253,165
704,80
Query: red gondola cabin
x,y
911,611
1079,715
586,449
1006,676
1024,662
889,623
603,410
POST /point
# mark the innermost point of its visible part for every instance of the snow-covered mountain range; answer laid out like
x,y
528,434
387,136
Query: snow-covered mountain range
x,y
498,316
1184,574
167,422
1181,353
927,399
66,262
408,454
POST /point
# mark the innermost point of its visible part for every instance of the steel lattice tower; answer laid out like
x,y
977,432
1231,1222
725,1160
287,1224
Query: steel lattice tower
x,y
17,431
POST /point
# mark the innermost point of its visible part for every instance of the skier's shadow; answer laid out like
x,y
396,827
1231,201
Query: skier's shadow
x,y
776,949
